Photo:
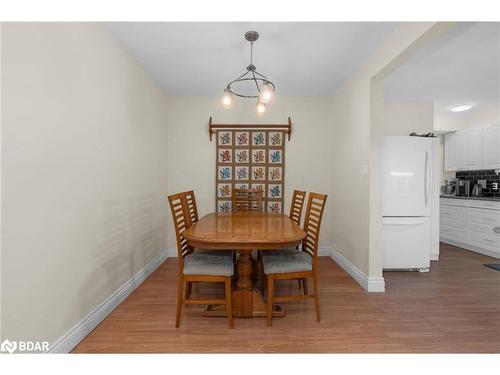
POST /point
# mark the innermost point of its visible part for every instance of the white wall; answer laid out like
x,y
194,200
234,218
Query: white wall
x,y
403,118
84,178
359,127
191,155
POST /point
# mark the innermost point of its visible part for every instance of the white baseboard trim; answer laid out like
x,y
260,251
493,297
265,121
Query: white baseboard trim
x,y
325,252
76,334
370,284
435,256
172,252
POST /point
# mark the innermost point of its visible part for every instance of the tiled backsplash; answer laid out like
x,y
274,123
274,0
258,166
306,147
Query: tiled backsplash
x,y
489,175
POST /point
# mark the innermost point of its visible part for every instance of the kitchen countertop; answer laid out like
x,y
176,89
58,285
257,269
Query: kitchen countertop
x,y
471,198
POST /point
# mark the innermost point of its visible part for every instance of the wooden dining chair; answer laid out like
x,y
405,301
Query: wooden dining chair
x,y
197,267
193,215
292,264
192,208
297,205
246,200
296,208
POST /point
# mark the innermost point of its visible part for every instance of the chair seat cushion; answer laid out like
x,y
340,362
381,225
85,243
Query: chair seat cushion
x,y
208,265
285,261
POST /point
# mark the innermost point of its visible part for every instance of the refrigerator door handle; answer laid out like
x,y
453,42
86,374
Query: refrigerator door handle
x,y
427,181
430,180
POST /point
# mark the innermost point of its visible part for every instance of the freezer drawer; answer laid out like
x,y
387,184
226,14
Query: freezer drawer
x,y
407,242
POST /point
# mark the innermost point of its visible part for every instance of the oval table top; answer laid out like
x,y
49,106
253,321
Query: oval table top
x,y
244,230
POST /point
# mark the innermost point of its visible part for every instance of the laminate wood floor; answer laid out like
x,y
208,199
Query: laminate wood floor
x,y
454,308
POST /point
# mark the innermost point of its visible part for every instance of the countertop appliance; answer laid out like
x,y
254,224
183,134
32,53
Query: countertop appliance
x,y
449,187
410,202
477,191
463,188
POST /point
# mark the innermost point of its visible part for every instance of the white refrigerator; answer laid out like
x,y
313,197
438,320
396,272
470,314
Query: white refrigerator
x,y
410,202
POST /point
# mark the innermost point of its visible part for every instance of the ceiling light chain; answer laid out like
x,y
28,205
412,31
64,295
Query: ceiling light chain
x,y
265,92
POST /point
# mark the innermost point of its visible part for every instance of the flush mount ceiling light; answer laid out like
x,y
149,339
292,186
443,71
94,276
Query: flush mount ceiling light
x,y
461,108
264,88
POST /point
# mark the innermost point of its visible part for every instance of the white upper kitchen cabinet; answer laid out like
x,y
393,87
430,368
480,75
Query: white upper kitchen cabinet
x,y
452,152
491,146
472,148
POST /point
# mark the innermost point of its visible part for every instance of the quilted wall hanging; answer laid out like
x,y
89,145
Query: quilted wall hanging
x,y
249,159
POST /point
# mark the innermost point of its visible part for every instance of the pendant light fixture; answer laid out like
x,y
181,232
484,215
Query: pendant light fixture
x,y
264,88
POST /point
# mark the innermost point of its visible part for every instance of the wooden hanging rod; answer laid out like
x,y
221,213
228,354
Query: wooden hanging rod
x,y
212,127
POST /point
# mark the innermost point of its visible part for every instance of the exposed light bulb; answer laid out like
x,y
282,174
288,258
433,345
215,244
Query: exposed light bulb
x,y
227,101
261,108
266,93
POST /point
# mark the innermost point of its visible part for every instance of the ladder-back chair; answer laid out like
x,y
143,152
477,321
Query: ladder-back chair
x,y
246,200
196,267
296,265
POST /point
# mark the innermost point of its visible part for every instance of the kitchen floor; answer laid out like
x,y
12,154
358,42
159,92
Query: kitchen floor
x,y
454,308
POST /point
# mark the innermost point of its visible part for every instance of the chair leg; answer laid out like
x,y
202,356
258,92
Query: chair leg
x,y
304,285
259,272
316,296
189,286
270,290
180,288
299,281
229,306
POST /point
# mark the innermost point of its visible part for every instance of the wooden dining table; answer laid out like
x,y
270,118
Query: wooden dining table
x,y
244,232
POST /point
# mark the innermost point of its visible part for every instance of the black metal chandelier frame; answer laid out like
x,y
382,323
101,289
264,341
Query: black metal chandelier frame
x,y
251,74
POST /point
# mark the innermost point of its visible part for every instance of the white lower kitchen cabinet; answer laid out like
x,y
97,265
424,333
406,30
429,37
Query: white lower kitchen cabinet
x,y
470,224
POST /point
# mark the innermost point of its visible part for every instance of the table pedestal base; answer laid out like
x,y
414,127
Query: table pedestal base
x,y
246,304
247,300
